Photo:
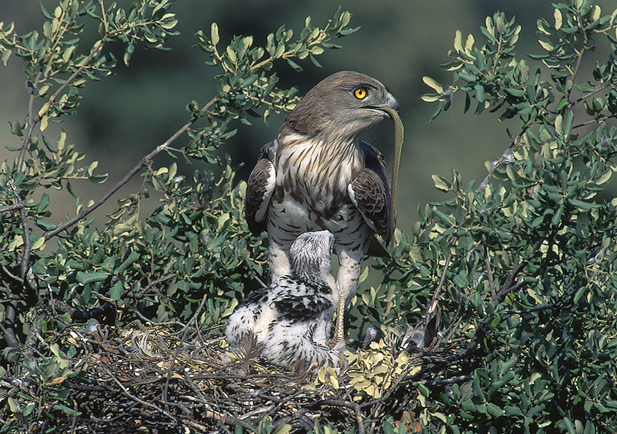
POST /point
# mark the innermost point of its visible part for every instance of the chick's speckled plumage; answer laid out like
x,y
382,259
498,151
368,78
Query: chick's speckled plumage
x,y
290,321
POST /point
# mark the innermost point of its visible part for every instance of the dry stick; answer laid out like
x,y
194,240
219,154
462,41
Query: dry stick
x,y
359,420
256,277
179,347
227,419
153,284
74,422
136,399
26,235
342,403
506,154
26,142
143,163
223,418
381,400
12,207
433,304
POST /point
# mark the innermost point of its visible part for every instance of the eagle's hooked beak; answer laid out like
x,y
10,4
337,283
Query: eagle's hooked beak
x,y
390,104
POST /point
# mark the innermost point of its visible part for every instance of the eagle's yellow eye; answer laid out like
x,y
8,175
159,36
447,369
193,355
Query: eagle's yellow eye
x,y
360,93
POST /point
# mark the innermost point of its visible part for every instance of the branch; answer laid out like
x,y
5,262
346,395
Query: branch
x,y
26,141
342,403
433,303
179,347
19,205
143,163
32,119
9,337
489,271
26,232
98,46
579,59
508,286
150,285
136,399
505,156
588,95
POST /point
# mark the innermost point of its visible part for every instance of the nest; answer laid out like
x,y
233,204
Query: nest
x,y
148,379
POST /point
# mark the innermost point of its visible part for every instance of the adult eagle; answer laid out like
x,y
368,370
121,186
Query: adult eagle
x,y
318,174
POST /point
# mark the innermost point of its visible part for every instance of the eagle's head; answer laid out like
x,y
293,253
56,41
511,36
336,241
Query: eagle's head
x,y
342,107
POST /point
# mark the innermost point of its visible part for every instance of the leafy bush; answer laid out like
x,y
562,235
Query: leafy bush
x,y
524,263
520,269
196,242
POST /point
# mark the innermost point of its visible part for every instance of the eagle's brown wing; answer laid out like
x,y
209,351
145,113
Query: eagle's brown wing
x,y
370,192
259,190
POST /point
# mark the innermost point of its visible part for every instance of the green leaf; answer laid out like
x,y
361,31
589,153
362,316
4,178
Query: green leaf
x,y
39,243
43,204
479,92
569,425
511,411
14,405
437,111
45,13
423,390
579,293
133,257
98,179
604,177
214,34
294,65
92,277
283,429
567,126
494,410
584,205
66,410
558,19
115,292
562,104
429,97
585,88
249,81
441,183
433,84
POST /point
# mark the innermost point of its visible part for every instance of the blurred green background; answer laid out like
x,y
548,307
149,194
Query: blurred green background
x,y
128,114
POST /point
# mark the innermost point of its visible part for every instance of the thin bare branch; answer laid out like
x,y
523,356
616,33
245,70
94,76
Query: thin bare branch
x,y
136,399
506,156
134,171
19,205
179,347
489,271
26,232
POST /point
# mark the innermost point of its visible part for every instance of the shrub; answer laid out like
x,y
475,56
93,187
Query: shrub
x,y
518,271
